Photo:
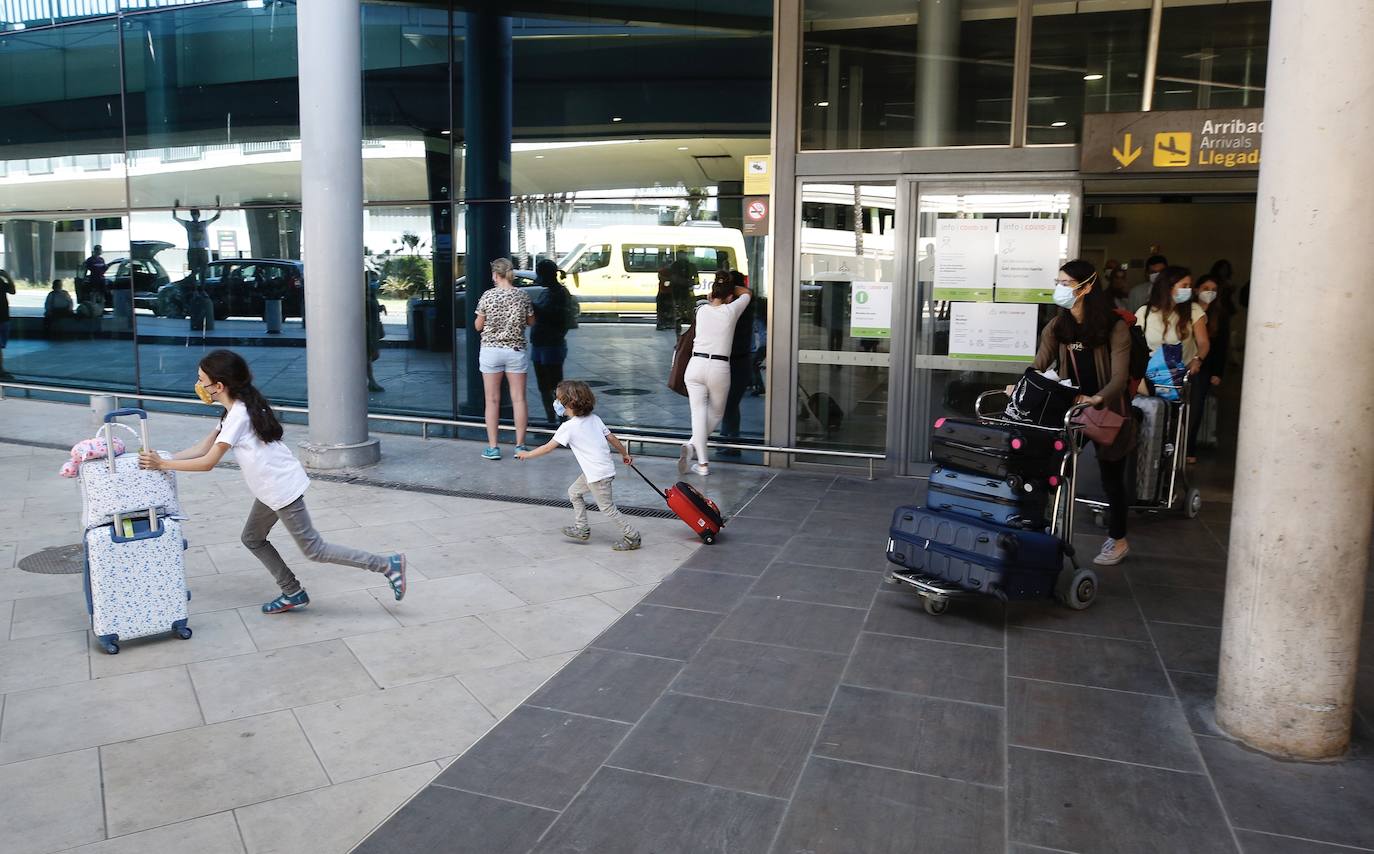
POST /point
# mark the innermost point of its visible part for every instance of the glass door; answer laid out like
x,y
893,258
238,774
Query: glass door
x,y
847,270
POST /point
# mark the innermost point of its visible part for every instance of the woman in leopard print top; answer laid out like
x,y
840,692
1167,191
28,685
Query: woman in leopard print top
x,y
503,313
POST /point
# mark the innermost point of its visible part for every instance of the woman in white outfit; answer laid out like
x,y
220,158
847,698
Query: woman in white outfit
x,y
708,372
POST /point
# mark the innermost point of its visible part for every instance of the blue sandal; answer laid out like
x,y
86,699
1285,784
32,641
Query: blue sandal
x,y
396,575
284,603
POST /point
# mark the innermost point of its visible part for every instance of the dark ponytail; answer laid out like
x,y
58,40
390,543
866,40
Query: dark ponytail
x,y
228,367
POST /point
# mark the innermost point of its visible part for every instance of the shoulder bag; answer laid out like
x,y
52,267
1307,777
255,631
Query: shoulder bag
x,y
682,354
1101,424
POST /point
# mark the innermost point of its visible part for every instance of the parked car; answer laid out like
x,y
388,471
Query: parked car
x,y
238,287
142,269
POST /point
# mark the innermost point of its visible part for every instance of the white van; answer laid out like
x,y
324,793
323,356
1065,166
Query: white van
x,y
615,269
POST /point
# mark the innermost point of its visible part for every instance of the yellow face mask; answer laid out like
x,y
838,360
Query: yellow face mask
x,y
204,395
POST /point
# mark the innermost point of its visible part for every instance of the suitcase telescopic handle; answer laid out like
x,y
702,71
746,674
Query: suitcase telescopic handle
x,y
652,485
108,429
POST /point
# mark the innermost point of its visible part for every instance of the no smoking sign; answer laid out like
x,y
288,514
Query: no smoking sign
x,y
755,215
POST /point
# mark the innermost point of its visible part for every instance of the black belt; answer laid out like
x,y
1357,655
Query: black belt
x,y
709,356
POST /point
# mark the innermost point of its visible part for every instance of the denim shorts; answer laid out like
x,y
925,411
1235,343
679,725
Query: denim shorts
x,y
499,360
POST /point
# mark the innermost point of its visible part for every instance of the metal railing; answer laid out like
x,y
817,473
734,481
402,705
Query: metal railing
x,y
628,434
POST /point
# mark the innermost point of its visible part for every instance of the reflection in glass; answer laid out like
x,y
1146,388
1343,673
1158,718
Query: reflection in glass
x,y
1083,62
1212,56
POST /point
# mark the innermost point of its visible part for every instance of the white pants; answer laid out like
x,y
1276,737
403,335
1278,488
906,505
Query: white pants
x,y
708,385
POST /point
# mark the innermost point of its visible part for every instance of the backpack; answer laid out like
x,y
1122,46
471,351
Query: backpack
x,y
1140,352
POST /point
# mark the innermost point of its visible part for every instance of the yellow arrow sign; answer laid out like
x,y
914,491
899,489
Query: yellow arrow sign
x,y
1124,155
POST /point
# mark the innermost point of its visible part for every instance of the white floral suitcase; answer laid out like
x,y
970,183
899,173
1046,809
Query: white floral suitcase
x,y
136,579
118,485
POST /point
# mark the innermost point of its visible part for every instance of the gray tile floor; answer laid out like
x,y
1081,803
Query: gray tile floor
x,y
773,694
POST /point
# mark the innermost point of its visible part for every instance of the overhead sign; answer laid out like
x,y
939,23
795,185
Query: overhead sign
x,y
1173,141
755,216
758,175
870,310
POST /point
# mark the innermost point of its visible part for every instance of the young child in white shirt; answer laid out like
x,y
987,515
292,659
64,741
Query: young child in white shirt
x,y
591,442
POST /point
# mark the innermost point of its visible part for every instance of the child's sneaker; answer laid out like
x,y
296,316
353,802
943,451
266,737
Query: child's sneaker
x,y
284,603
582,535
491,454
628,543
397,576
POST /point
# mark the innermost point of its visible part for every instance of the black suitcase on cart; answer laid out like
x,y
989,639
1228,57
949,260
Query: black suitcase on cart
x,y
1003,452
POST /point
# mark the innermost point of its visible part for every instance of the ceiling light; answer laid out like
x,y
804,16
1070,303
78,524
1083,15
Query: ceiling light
x,y
1059,124
617,119
538,157
445,132
822,103
1091,77
682,148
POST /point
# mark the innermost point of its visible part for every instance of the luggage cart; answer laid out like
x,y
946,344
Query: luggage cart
x,y
1076,587
1173,490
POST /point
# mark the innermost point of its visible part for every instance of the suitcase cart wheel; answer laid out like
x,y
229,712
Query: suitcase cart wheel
x,y
708,538
1193,504
109,643
1077,588
184,632
935,605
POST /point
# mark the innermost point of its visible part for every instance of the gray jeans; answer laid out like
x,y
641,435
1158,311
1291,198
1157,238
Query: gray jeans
x,y
296,519
601,489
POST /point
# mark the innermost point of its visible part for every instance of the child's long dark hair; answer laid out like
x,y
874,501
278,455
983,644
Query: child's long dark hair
x,y
228,367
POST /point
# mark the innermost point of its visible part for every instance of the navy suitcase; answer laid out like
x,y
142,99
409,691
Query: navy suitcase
x,y
1014,502
1008,563
1000,451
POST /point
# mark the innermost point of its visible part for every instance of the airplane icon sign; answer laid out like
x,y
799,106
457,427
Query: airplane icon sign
x,y
1173,148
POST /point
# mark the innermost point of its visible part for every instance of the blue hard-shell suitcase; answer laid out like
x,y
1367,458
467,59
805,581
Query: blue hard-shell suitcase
x,y
1008,563
1005,501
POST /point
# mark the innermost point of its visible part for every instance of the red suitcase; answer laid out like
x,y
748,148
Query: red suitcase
x,y
699,512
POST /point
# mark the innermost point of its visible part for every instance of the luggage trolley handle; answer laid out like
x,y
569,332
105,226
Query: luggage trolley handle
x,y
110,420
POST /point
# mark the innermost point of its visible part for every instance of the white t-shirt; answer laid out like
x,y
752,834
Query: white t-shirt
x,y
274,475
716,326
586,435
1166,331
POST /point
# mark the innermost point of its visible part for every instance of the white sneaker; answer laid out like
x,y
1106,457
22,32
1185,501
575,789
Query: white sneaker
x,y
684,459
1113,552
701,470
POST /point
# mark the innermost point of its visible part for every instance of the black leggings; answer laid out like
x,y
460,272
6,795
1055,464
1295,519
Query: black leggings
x,y
1115,482
548,377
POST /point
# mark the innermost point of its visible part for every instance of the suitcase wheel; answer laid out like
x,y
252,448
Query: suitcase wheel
x,y
935,605
184,632
110,647
1077,588
1194,503
708,538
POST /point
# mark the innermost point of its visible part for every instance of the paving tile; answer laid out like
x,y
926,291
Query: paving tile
x,y
1100,723
217,635
664,632
1194,573
606,684
1323,801
1254,842
340,615
447,598
232,590
649,565
931,668
338,816
1198,694
506,686
762,532
211,834
420,653
1073,803
549,580
794,484
48,615
799,680
1192,649
626,597
777,507
734,746
978,621
563,626
176,776
246,685
842,807
51,803
701,591
820,584
459,558
669,816
867,532
1173,539
558,753
738,558
69,717
909,733
6,613
440,819
44,661
816,551
358,736
797,624
1083,660
1109,617
1180,604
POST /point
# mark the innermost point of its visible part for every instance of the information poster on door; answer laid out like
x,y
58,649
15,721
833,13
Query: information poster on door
x,y
993,331
1028,259
965,259
870,310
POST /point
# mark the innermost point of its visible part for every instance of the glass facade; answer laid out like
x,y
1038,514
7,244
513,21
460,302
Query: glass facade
x,y
1212,55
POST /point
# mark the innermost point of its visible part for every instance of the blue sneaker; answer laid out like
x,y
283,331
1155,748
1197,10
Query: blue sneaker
x,y
491,454
524,448
284,603
397,576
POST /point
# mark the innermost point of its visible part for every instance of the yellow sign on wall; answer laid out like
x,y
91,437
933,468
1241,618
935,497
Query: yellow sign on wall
x,y
1173,149
758,175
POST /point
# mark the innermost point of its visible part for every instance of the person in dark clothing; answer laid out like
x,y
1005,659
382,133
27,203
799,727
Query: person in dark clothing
x,y
1091,346
1212,299
6,288
683,283
741,365
554,311
94,269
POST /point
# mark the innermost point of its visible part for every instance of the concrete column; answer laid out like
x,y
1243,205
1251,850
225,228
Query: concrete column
x,y
329,43
937,70
1304,491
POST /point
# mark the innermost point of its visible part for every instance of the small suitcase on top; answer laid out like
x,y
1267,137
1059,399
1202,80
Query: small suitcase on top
x,y
116,485
135,579
1013,502
1000,451
1008,563
696,510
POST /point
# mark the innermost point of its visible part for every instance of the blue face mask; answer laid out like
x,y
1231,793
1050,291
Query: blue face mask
x,y
1063,296
1182,295
559,409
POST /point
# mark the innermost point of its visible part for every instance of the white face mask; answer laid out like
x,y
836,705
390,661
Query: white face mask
x,y
1206,297
1063,296
1182,295
1154,275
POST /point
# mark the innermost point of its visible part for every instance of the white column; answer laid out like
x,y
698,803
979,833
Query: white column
x,y
329,43
1304,492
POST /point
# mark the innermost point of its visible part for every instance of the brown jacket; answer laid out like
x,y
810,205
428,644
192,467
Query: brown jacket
x,y
1112,361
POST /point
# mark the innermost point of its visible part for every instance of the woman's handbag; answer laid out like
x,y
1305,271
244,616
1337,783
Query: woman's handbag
x,y
1039,400
1100,424
682,354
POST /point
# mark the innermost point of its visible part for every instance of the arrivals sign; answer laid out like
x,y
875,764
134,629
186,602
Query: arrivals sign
x,y
1173,141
